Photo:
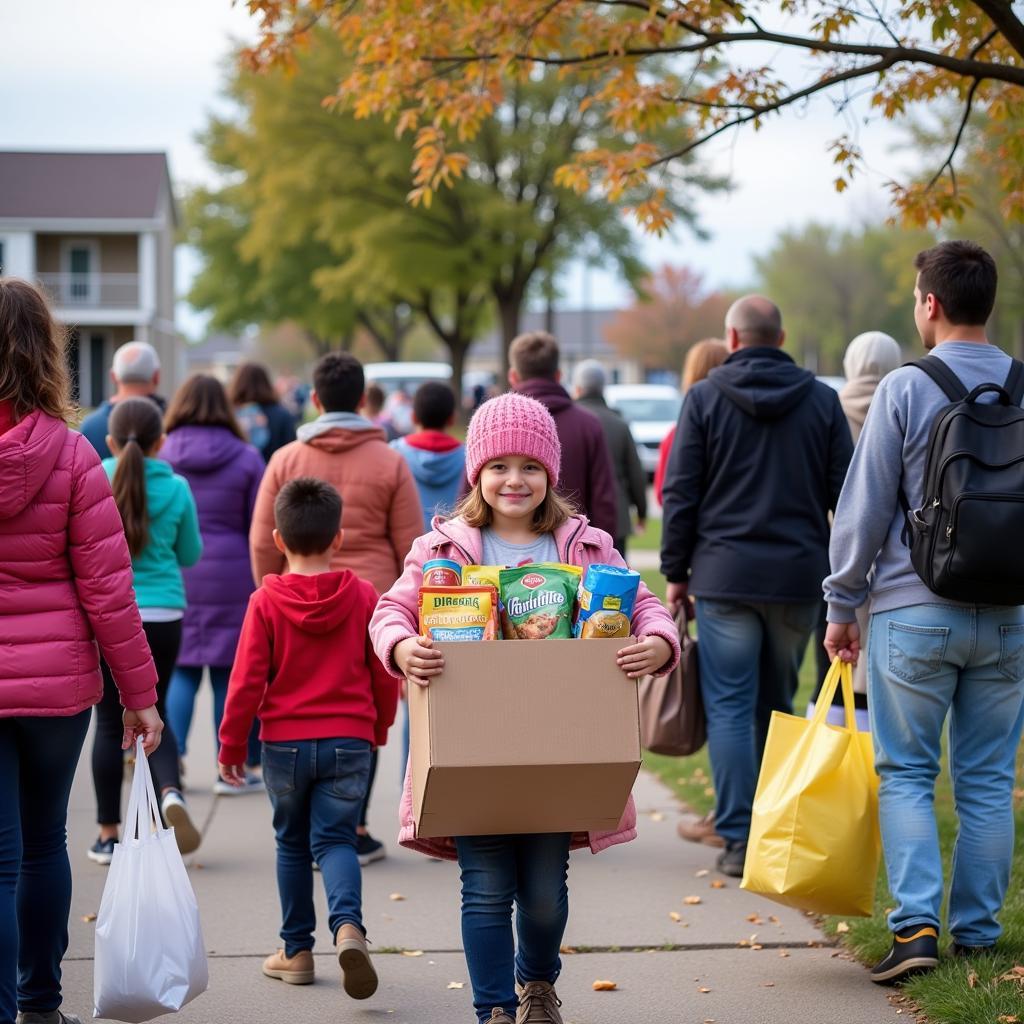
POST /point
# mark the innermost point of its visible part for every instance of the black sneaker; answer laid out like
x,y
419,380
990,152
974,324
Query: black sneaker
x,y
914,951
102,851
959,952
369,849
730,861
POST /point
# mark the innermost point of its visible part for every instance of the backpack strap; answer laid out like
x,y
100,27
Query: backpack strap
x,y
1014,385
943,376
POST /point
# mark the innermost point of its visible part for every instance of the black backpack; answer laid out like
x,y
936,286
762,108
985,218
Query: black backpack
x,y
967,539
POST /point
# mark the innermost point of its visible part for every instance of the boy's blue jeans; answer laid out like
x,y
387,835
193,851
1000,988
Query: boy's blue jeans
x,y
750,654
529,870
927,662
317,788
38,757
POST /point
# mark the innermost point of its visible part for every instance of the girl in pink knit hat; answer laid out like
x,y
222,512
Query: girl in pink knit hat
x,y
512,516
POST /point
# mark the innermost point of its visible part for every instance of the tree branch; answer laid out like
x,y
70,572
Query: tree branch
x,y
1008,24
956,141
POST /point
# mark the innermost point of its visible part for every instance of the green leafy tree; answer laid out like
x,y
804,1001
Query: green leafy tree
x,y
832,284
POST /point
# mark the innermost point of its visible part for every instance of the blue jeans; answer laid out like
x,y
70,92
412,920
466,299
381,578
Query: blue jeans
x,y
750,654
316,788
531,871
927,662
38,757
181,699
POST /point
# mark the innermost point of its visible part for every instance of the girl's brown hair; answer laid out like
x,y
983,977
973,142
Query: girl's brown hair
x,y
702,359
201,402
33,369
251,383
554,511
135,426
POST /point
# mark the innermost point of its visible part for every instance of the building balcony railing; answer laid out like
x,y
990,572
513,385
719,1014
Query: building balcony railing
x,y
92,291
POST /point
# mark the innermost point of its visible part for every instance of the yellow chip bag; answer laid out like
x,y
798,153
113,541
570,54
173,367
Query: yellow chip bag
x,y
459,613
481,576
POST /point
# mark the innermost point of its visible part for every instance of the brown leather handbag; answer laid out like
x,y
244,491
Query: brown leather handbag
x,y
671,709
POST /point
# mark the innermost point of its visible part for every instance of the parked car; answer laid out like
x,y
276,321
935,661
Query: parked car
x,y
409,376
651,410
836,383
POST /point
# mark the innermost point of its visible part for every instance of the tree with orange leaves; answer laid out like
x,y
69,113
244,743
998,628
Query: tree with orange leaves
x,y
442,68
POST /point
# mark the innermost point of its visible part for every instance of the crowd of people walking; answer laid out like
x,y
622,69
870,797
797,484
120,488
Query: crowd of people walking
x,y
215,537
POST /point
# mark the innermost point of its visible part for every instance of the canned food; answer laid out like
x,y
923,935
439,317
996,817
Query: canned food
x,y
442,572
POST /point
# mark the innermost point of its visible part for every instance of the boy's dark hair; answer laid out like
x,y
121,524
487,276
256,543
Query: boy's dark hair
x,y
339,382
963,277
433,405
307,514
534,356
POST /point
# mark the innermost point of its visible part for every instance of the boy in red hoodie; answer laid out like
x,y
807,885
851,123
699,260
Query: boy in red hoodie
x,y
305,666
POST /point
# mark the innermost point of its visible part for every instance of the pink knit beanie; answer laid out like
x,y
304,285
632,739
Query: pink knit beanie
x,y
512,424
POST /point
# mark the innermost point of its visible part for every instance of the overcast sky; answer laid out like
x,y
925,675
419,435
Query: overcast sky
x,y
145,74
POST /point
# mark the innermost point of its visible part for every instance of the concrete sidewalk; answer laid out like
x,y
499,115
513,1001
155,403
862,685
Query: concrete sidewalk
x,y
622,927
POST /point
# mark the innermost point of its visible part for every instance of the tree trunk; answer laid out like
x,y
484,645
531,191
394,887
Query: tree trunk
x,y
510,306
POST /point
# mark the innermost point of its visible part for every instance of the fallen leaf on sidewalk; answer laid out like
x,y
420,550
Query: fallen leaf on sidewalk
x,y
774,919
703,873
412,952
768,984
605,986
396,896
755,919
692,901
783,952
657,816
719,884
842,928
456,984
705,991
675,915
88,918
566,950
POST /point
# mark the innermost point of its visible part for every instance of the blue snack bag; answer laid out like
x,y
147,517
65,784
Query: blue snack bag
x,y
607,595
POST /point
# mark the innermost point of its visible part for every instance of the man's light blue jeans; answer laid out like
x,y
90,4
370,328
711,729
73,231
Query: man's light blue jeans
x,y
927,662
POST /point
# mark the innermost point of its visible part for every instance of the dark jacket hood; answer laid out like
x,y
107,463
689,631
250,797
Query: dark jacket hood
x,y
550,392
764,382
316,604
28,453
195,449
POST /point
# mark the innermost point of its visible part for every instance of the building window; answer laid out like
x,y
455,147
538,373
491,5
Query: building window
x,y
81,264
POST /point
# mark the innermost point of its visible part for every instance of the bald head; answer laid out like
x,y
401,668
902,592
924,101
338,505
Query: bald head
x,y
753,321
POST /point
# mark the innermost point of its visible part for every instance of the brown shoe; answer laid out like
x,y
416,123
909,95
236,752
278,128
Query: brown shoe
x,y
538,1004
499,1016
700,830
358,975
295,970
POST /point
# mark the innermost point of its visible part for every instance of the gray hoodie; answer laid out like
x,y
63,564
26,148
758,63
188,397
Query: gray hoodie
x,y
891,452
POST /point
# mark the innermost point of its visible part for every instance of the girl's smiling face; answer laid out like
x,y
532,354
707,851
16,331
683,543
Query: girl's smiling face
x,y
513,486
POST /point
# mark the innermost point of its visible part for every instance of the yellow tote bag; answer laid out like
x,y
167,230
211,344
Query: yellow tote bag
x,y
814,840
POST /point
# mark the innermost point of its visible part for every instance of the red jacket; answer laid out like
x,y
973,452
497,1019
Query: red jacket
x,y
305,665
65,577
664,451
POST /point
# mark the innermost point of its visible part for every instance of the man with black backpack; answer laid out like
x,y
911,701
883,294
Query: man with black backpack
x,y
934,500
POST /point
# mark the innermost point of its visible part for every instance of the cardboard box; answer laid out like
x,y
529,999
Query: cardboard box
x,y
524,736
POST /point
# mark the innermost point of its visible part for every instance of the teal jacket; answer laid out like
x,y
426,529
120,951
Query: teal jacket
x,y
174,539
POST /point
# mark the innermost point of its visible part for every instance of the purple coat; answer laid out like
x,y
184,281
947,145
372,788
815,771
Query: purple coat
x,y
224,474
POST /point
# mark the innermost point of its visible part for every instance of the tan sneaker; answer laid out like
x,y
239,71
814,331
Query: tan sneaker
x,y
358,975
499,1016
295,970
700,830
538,1004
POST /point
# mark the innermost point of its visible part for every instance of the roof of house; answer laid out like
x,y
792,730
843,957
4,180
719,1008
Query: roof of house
x,y
580,333
83,186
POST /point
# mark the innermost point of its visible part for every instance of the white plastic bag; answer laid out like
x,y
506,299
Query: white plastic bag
x,y
150,956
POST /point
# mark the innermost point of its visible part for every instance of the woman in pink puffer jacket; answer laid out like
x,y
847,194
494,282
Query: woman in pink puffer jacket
x,y
65,587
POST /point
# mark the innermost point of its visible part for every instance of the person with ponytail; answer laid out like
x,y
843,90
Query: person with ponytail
x,y
161,527
65,599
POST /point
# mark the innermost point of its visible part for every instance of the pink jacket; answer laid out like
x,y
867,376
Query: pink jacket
x,y
65,578
397,618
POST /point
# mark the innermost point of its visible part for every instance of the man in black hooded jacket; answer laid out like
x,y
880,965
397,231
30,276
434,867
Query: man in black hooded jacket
x,y
758,462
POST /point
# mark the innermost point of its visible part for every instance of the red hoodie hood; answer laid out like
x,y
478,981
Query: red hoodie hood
x,y
316,604
432,441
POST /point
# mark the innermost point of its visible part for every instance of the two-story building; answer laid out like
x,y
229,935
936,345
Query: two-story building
x,y
97,231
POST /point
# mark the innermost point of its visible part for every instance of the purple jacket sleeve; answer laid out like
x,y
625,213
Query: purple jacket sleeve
x,y
102,570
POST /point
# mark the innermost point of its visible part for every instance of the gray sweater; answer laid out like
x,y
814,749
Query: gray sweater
x,y
892,451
